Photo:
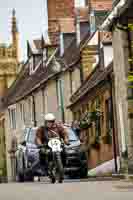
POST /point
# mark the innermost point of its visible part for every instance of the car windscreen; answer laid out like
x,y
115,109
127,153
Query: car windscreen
x,y
72,135
31,137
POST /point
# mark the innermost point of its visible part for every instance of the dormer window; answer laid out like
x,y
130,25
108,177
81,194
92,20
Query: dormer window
x,y
44,55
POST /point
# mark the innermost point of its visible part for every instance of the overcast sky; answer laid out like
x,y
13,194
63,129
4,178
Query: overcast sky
x,y
31,16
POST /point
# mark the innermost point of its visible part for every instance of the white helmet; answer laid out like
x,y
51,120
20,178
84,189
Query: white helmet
x,y
49,117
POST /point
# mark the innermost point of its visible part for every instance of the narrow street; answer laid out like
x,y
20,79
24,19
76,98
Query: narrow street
x,y
69,190
66,99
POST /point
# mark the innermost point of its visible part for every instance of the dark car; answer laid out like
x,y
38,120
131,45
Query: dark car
x,y
26,154
76,160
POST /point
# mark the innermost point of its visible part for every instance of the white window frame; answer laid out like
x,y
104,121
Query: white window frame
x,y
22,110
12,117
31,62
80,3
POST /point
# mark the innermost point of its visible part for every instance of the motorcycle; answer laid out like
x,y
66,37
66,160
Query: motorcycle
x,y
54,159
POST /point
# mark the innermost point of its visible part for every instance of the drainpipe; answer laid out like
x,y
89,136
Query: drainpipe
x,y
92,22
78,36
34,111
61,101
61,44
113,127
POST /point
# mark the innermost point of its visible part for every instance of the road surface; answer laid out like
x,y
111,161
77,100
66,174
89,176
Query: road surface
x,y
70,190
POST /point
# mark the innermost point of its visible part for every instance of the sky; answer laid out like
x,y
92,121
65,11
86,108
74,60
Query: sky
x,y
31,17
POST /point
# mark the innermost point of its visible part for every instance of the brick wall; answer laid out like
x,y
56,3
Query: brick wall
x,y
101,4
58,9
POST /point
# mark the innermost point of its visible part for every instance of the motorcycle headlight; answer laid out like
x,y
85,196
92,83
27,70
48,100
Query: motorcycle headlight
x,y
29,164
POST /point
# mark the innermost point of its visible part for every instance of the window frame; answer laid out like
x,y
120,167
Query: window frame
x,y
98,120
12,118
109,114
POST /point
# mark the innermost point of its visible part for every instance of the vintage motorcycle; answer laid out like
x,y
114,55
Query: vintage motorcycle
x,y
52,154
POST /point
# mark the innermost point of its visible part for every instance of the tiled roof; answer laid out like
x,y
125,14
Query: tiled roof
x,y
92,81
26,83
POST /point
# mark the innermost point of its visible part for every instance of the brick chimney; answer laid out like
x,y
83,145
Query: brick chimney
x,y
99,4
58,9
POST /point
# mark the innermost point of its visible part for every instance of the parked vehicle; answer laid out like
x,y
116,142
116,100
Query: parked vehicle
x,y
26,154
74,162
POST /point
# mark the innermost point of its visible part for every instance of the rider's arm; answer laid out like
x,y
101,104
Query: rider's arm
x,y
64,134
66,139
38,139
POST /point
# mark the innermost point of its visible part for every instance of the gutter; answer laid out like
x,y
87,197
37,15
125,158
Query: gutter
x,y
116,12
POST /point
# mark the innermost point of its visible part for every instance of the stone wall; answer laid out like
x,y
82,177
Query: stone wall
x,y
120,46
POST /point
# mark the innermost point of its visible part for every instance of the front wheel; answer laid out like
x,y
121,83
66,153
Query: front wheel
x,y
60,170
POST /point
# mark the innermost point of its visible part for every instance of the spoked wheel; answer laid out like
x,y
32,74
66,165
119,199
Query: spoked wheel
x,y
52,173
60,170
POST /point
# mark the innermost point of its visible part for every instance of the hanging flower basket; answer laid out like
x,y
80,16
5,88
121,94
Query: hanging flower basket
x,y
88,118
84,125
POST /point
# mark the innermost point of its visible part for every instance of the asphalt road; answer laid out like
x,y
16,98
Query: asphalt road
x,y
70,190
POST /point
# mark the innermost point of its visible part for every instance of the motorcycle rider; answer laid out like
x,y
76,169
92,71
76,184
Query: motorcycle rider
x,y
49,130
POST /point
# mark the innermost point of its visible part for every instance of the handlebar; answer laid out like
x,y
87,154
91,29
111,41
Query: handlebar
x,y
41,146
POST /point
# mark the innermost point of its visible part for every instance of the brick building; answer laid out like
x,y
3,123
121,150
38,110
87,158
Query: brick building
x,y
57,10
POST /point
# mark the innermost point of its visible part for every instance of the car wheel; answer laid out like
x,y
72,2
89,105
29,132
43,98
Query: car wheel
x,y
20,177
19,171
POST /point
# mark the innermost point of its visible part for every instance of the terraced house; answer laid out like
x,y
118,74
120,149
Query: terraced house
x,y
46,82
